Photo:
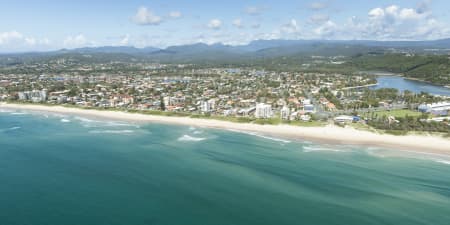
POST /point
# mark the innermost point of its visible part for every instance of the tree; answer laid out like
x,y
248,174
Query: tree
x,y
161,104
73,92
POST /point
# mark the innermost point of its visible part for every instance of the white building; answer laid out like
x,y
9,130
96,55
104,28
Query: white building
x,y
305,118
263,111
174,101
308,108
34,96
285,113
208,106
247,111
435,108
306,101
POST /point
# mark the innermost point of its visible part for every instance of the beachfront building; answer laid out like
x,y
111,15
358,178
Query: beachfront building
x,y
440,108
263,111
285,113
207,106
34,96
308,108
246,112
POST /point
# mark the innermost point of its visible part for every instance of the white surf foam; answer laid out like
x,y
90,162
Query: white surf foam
x,y
111,131
321,148
18,113
190,138
89,123
9,129
272,138
261,136
442,161
63,120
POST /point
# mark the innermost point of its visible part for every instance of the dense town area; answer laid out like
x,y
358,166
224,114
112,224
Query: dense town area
x,y
235,94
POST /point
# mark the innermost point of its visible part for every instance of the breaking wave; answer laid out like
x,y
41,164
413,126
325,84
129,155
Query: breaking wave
x,y
65,120
89,123
321,148
19,113
111,131
9,129
190,138
261,136
442,161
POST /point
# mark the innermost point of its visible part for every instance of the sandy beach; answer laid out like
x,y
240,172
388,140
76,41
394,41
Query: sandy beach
x,y
329,134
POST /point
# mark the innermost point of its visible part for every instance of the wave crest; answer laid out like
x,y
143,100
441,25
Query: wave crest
x,y
111,131
261,136
10,129
18,113
442,161
321,148
190,138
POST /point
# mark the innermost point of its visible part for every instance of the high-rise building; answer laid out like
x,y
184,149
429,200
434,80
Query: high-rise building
x,y
263,111
34,96
285,113
208,106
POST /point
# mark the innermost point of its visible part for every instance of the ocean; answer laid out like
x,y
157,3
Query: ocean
x,y
67,169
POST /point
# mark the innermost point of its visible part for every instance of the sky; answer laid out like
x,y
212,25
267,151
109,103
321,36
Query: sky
x,y
34,25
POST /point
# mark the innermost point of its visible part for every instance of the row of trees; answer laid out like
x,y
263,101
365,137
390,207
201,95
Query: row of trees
x,y
409,123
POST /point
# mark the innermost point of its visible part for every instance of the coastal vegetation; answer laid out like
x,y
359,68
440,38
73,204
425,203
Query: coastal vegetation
x,y
431,68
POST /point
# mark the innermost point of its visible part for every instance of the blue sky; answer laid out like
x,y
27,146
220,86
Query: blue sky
x,y
48,25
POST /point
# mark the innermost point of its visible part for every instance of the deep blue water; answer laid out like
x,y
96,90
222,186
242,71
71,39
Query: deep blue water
x,y
403,84
57,169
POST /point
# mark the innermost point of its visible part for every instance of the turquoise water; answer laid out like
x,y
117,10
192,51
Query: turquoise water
x,y
68,170
403,84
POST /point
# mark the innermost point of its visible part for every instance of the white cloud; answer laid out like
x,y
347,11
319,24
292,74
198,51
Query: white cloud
x,y
10,36
291,27
146,17
214,24
326,30
175,14
319,18
16,41
318,5
125,40
30,41
75,41
254,10
376,13
394,22
237,23
388,23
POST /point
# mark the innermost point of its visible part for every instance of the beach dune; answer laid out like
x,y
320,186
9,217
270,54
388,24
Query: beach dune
x,y
330,134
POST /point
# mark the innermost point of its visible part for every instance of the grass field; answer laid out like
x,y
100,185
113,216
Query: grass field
x,y
396,113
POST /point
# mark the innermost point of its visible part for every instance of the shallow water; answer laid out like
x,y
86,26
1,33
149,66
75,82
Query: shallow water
x,y
57,169
403,84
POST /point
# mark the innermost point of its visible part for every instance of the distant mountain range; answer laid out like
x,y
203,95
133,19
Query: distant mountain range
x,y
259,45
220,53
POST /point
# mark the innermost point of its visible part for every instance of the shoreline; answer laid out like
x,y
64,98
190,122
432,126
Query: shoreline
x,y
356,87
329,134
